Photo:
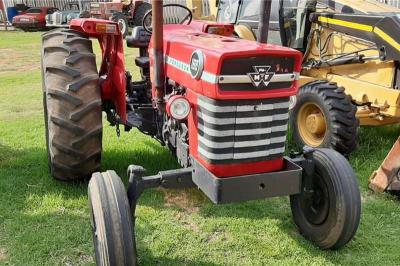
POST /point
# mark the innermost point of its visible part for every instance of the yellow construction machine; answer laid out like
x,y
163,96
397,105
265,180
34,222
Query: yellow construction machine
x,y
351,69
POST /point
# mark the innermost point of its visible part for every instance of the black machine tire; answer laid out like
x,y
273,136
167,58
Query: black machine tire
x,y
113,228
72,105
332,217
140,12
122,22
339,114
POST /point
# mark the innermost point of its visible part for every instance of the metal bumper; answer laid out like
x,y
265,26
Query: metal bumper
x,y
288,181
248,187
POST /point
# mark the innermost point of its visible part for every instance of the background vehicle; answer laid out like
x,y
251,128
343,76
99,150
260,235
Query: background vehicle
x,y
71,10
33,18
125,13
130,13
350,66
219,103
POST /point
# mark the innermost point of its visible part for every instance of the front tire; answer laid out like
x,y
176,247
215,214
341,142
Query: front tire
x,y
330,217
72,105
113,229
324,117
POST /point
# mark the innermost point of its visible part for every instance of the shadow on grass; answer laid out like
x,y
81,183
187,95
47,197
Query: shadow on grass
x,y
50,218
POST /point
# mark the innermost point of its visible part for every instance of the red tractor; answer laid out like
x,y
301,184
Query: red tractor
x,y
219,103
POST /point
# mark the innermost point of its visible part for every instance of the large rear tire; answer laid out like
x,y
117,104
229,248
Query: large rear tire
x,y
140,12
330,217
113,229
324,117
72,105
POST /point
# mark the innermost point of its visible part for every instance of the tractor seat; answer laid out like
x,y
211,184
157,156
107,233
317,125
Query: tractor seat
x,y
139,38
142,61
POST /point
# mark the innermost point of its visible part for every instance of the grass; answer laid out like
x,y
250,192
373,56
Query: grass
x,y
45,222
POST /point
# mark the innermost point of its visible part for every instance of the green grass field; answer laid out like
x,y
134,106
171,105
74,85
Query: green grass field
x,y
45,222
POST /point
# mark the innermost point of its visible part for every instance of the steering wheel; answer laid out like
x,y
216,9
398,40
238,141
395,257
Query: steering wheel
x,y
188,17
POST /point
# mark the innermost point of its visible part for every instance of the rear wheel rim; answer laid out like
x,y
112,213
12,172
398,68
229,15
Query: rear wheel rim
x,y
311,124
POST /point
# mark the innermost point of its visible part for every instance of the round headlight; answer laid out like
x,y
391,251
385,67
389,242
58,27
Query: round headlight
x,y
292,102
178,107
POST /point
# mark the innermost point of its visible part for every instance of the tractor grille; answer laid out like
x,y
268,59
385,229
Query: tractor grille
x,y
242,130
243,66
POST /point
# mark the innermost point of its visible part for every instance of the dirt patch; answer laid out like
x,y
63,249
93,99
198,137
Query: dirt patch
x,y
188,223
218,236
85,259
20,61
3,254
183,199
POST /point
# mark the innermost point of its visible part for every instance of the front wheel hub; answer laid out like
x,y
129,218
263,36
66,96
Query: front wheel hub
x,y
316,205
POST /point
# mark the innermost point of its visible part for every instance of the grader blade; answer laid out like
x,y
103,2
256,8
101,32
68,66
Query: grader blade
x,y
387,177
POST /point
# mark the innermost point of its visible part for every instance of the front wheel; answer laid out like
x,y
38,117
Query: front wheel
x,y
112,225
330,215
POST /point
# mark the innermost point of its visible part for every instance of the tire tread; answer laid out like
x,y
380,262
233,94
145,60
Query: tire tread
x,y
348,203
73,120
117,245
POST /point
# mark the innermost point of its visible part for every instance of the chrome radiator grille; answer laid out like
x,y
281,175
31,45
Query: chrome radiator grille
x,y
242,130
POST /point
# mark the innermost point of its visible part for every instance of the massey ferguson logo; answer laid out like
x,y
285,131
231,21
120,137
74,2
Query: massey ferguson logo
x,y
261,76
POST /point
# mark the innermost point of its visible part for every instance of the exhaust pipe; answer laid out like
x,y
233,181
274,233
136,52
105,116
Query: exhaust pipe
x,y
158,67
263,24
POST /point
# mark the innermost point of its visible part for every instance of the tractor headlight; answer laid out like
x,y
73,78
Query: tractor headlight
x,y
292,102
178,107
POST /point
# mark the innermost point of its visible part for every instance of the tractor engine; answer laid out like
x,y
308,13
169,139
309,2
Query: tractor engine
x,y
227,101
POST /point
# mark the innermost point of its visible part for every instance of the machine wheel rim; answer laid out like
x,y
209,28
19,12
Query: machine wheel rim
x,y
121,25
311,124
316,207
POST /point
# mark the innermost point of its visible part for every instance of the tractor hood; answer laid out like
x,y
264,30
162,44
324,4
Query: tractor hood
x,y
226,67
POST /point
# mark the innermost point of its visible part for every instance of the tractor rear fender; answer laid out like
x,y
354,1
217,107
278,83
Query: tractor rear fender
x,y
112,69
